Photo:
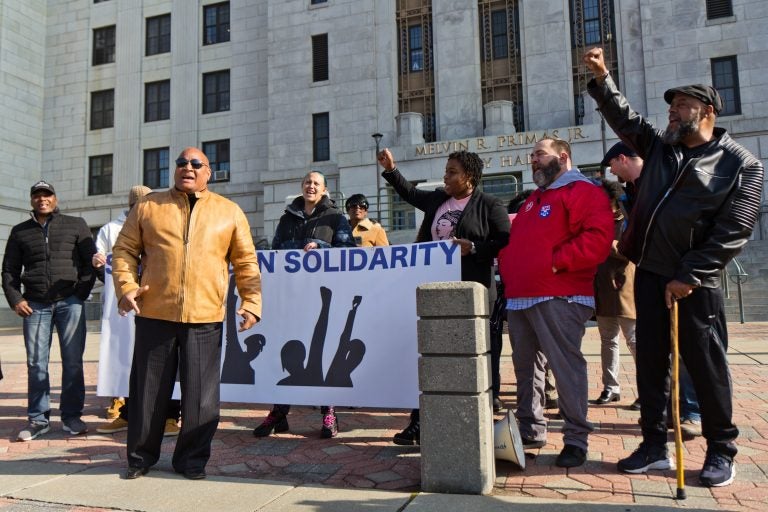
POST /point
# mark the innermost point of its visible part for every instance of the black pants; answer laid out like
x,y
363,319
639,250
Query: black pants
x,y
160,349
703,341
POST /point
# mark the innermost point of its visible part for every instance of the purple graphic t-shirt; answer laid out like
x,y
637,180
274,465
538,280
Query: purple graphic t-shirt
x,y
446,218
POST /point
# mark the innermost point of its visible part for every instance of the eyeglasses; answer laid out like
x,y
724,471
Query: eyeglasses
x,y
361,206
196,164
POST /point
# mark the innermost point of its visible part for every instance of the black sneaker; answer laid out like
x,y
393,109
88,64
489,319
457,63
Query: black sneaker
x,y
410,436
571,456
529,443
718,470
497,405
272,423
646,457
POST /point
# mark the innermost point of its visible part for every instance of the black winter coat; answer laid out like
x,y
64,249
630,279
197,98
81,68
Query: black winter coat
x,y
484,221
51,268
327,227
690,218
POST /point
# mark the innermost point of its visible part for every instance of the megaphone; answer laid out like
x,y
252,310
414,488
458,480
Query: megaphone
x,y
507,443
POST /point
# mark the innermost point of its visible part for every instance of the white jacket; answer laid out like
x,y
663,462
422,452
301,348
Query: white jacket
x,y
107,235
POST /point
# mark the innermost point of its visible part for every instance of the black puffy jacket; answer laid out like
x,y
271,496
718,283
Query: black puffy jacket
x,y
52,268
327,226
690,218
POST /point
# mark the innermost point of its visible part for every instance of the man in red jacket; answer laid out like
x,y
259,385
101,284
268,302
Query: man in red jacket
x,y
560,235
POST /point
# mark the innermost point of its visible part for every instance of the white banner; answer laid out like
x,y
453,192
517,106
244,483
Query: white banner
x,y
338,328
116,346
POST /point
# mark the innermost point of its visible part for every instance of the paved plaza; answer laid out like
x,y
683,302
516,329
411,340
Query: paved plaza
x,y
301,471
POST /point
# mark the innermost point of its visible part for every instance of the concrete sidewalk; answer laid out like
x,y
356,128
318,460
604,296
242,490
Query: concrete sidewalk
x,y
361,469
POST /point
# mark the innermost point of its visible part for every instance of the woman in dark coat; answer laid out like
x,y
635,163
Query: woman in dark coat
x,y
310,222
477,222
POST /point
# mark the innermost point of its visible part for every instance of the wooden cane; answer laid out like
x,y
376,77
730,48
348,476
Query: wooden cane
x,y
676,401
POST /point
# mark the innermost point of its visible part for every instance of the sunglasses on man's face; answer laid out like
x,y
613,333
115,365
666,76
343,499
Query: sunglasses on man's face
x,y
196,164
356,206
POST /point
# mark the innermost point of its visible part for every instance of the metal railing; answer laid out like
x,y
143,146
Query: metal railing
x,y
736,273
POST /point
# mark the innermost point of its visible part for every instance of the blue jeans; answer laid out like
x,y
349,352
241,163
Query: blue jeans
x,y
689,404
69,318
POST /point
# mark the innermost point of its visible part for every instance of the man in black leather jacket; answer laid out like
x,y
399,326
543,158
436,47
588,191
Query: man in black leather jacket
x,y
696,206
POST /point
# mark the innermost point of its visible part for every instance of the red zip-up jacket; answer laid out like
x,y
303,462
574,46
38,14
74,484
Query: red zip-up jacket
x,y
569,228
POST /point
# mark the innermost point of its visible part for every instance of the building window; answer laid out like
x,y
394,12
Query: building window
x,y
320,58
158,35
321,142
102,109
416,80
217,152
99,1
499,34
415,49
216,91
725,78
402,215
216,23
503,187
592,22
593,172
156,168
316,2
103,45
100,175
719,9
501,75
157,102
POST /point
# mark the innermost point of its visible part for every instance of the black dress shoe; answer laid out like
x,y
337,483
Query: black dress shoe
x,y
134,472
497,405
571,456
635,406
195,474
552,403
607,397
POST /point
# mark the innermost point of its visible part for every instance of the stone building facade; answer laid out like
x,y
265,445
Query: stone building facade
x,y
99,95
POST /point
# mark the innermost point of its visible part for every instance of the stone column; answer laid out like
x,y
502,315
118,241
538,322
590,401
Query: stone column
x,y
545,31
456,44
499,118
454,377
410,129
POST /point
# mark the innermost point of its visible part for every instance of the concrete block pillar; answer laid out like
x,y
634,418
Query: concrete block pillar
x,y
455,379
499,118
410,129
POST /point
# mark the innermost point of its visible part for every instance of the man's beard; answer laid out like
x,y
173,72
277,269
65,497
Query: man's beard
x,y
684,129
546,174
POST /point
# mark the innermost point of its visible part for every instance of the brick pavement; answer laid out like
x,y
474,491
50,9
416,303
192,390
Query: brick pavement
x,y
363,457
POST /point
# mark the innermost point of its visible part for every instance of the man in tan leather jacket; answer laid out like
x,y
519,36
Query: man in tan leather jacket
x,y
182,241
